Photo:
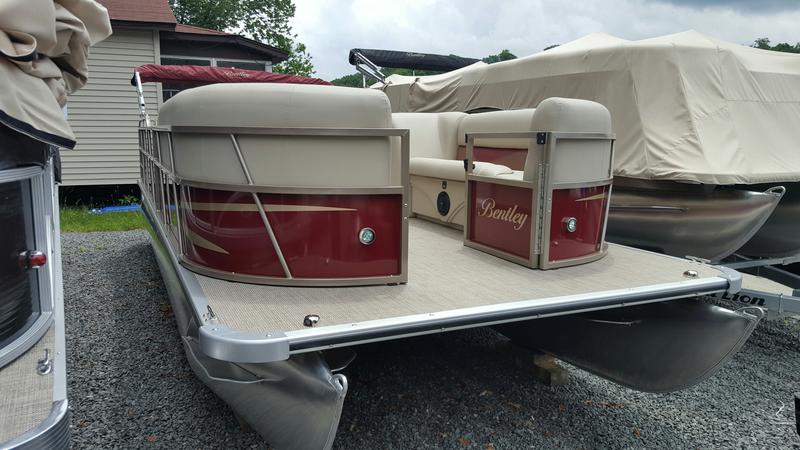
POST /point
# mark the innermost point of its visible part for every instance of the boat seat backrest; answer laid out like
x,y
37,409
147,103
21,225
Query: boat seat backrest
x,y
433,135
498,122
282,160
510,152
574,160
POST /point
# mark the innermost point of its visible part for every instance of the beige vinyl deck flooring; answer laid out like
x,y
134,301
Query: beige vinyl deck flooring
x,y
26,397
443,275
765,285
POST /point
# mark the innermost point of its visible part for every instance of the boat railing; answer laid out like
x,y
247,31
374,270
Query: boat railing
x,y
169,193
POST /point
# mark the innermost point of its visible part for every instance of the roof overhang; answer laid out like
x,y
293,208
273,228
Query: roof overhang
x,y
256,49
138,25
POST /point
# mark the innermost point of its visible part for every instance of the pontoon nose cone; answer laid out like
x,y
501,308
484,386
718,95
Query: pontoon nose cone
x,y
293,404
690,222
660,347
780,235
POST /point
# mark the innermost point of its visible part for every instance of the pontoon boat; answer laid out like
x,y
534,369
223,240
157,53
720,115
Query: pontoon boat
x,y
43,41
292,222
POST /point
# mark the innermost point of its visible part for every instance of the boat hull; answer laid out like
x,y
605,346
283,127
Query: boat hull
x,y
686,220
780,235
661,347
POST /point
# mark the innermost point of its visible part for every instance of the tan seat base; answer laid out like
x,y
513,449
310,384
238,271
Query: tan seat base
x,y
425,192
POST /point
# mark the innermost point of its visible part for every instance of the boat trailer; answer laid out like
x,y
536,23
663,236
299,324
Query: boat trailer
x,y
766,285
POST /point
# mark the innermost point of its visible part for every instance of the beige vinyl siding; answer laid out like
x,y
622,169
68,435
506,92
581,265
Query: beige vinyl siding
x,y
104,114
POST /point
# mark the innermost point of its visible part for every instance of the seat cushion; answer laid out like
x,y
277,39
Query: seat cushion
x,y
433,135
452,169
498,122
571,115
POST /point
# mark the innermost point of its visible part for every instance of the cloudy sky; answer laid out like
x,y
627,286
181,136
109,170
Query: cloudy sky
x,y
476,28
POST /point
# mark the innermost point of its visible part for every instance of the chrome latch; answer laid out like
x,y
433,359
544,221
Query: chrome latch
x,y
45,364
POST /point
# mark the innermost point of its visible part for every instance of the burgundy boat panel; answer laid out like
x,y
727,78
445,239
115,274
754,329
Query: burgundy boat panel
x,y
513,158
500,217
587,206
318,234
224,231
201,75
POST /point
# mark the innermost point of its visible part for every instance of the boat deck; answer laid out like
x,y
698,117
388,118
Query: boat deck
x,y
450,286
756,283
26,398
443,275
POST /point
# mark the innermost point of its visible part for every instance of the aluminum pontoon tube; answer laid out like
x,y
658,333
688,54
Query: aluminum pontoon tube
x,y
293,404
660,347
685,220
780,235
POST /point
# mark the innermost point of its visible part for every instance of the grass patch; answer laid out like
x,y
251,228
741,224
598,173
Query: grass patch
x,y
80,220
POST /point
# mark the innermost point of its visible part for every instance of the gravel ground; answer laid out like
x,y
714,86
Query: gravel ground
x,y
131,386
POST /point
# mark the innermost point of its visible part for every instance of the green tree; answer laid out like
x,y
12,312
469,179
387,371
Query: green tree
x,y
352,80
266,21
504,55
299,62
764,44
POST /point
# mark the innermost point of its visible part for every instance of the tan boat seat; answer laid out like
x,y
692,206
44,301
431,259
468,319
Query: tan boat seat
x,y
453,170
433,135
437,176
575,161
568,164
305,161
508,152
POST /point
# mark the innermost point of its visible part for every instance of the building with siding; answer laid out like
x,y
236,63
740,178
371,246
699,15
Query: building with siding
x,y
104,114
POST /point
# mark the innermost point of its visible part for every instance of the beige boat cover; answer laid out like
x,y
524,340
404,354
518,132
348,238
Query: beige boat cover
x,y
684,106
44,50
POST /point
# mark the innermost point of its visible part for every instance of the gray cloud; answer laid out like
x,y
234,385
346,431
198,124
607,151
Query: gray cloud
x,y
476,28
743,5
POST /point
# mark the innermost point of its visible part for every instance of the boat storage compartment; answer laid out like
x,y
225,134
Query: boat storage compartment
x,y
282,184
552,214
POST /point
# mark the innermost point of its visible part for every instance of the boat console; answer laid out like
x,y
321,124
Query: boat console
x,y
283,184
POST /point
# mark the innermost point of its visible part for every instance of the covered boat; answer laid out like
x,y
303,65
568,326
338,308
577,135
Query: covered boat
x,y
706,132
291,222
43,50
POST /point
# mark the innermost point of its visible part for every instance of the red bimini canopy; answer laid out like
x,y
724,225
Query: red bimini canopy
x,y
200,75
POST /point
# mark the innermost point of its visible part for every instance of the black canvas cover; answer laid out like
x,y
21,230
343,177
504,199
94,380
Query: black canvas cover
x,y
19,150
412,60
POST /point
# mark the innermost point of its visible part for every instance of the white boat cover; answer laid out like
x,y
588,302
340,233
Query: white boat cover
x,y
684,106
44,50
